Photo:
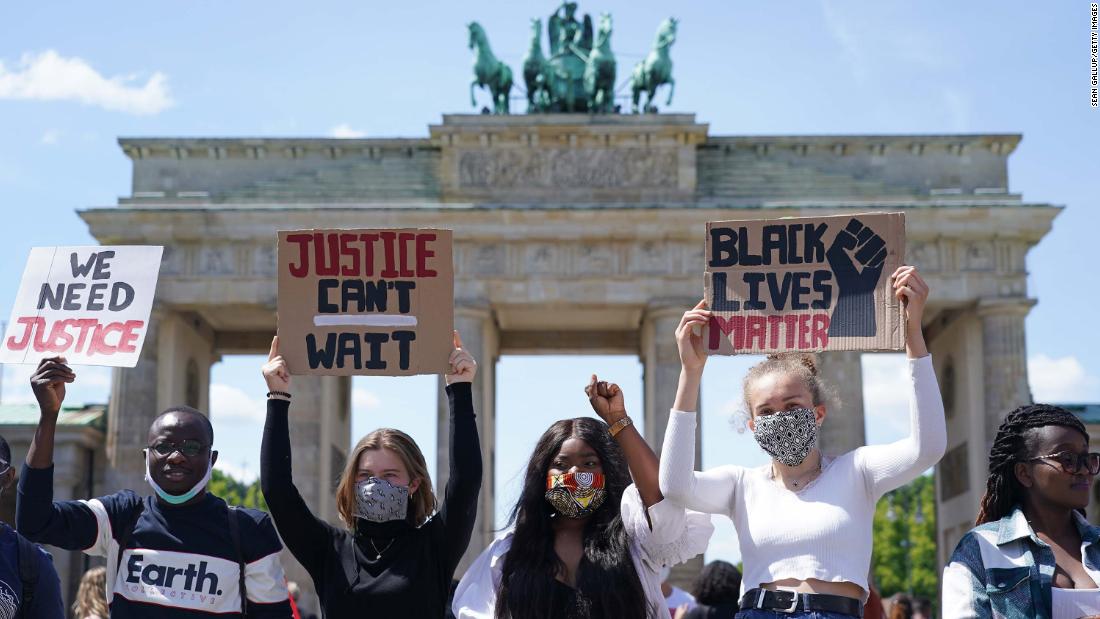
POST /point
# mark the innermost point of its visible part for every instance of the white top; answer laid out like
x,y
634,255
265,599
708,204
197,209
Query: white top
x,y
1074,603
678,598
822,532
677,535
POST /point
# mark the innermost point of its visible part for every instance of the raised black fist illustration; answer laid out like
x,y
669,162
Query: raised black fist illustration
x,y
856,256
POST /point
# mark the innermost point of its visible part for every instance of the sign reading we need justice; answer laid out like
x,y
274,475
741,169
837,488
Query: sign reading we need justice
x,y
88,304
804,284
368,301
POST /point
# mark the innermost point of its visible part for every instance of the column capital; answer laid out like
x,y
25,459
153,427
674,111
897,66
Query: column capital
x,y
668,308
473,308
1000,306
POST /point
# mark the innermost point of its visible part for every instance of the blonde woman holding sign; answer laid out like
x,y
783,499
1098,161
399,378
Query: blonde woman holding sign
x,y
399,547
803,520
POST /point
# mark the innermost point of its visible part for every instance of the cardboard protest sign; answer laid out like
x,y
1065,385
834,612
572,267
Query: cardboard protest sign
x,y
804,284
88,304
376,302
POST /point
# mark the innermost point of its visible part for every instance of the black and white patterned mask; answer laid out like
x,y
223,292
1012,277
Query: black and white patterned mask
x,y
788,436
377,500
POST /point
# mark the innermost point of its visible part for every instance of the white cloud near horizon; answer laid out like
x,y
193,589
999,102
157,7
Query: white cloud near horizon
x,y
49,76
230,404
1061,379
886,392
344,130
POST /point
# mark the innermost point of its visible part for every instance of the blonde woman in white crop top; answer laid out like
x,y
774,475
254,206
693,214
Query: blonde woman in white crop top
x,y
804,520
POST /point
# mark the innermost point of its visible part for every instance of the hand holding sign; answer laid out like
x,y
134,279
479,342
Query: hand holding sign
x,y
606,399
48,384
856,257
275,371
463,366
689,338
912,290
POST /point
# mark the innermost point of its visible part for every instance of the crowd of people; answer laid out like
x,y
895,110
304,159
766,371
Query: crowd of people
x,y
599,522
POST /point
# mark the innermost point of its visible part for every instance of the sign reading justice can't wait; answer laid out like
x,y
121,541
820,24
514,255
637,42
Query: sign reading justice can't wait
x,y
804,284
367,301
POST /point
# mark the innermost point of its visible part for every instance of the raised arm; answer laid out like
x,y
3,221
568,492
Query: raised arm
x,y
66,524
607,400
305,535
711,491
890,466
459,509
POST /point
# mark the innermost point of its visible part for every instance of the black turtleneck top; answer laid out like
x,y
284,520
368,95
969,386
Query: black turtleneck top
x,y
413,576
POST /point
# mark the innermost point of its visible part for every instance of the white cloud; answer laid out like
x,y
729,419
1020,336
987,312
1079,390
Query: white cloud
x,y
49,76
1063,379
242,473
232,405
50,136
886,390
93,384
362,399
344,130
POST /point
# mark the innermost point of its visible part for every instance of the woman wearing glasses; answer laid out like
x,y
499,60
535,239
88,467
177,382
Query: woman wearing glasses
x,y
1033,554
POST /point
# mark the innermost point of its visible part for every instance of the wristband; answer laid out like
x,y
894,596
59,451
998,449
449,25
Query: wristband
x,y
281,394
618,426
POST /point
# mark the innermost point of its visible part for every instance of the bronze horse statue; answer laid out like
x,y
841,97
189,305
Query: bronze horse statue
x,y
488,71
599,70
656,69
535,70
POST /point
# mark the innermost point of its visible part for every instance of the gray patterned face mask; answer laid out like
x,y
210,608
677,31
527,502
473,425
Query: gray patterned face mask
x,y
377,500
788,436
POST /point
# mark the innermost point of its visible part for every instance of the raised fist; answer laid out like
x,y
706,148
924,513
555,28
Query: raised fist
x,y
856,256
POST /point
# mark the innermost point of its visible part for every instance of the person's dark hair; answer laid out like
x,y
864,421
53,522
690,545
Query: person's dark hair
x,y
1003,490
607,583
187,410
5,450
718,583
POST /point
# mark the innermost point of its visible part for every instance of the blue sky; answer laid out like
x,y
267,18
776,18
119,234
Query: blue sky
x,y
74,76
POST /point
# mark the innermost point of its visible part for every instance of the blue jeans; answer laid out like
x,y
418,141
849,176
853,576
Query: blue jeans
x,y
805,614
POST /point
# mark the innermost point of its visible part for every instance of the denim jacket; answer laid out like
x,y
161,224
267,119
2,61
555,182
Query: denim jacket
x,y
1002,570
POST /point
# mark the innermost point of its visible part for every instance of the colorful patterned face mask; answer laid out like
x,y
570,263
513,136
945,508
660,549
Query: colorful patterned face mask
x,y
576,495
788,436
377,500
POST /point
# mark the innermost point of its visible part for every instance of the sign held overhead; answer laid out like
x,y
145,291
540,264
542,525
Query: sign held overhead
x,y
88,304
804,284
366,301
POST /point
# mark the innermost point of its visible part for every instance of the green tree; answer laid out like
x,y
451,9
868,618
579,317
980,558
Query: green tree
x,y
236,492
904,558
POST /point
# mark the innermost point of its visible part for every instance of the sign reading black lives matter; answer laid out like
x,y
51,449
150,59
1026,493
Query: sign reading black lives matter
x,y
804,284
88,304
367,301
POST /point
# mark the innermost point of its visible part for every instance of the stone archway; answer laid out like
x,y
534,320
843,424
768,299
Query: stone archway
x,y
573,234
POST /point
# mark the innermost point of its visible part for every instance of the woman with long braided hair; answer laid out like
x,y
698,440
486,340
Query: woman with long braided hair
x,y
1032,553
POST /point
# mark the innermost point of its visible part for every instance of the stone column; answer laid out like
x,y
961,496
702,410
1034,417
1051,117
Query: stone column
x,y
319,427
661,361
320,423
185,352
133,405
480,336
843,429
1005,359
662,375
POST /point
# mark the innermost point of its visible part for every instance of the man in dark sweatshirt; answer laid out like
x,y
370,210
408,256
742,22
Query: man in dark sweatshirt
x,y
29,586
180,553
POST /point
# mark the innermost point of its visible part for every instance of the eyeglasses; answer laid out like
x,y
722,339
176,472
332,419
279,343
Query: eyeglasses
x,y
189,447
1072,462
